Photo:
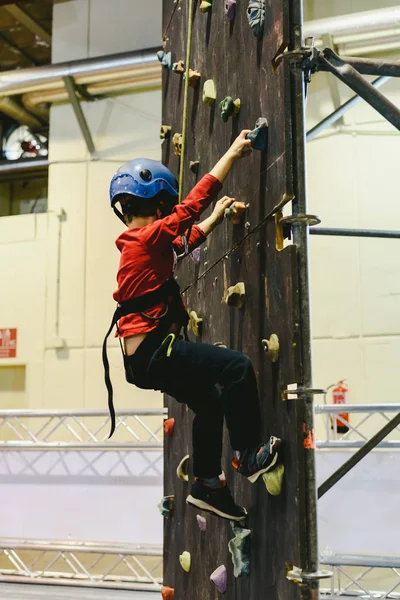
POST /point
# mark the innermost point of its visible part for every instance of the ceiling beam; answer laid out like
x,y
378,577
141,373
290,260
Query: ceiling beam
x,y
22,17
19,50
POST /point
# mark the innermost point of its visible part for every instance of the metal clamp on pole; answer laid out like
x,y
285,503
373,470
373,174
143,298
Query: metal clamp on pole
x,y
299,392
297,575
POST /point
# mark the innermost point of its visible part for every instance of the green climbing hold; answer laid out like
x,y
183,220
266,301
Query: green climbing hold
x,y
209,92
166,506
205,6
239,547
273,480
186,560
229,108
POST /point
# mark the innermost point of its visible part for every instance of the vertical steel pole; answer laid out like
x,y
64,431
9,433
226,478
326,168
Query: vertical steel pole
x,y
301,239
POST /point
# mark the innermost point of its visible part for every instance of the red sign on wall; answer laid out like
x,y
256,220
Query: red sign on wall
x,y
8,343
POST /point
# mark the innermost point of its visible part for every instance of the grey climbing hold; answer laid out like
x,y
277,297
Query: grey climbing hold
x,y
166,506
202,522
194,166
239,547
165,59
220,579
229,108
256,17
195,255
258,136
230,9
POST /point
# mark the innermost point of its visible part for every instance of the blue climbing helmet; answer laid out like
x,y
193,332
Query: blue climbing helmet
x,y
143,178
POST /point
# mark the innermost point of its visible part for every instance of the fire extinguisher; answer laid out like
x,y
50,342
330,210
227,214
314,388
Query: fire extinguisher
x,y
339,396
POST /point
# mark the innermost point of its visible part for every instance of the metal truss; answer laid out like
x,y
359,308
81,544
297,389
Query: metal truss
x,y
128,566
354,575
356,437
136,429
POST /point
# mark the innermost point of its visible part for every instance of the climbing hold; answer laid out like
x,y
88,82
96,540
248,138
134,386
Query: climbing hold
x,y
205,6
220,579
229,108
169,425
179,67
258,136
167,593
165,59
271,347
177,141
165,132
194,166
235,212
235,295
202,523
185,559
256,17
220,344
230,9
273,480
166,505
179,470
194,77
239,547
195,255
196,323
209,92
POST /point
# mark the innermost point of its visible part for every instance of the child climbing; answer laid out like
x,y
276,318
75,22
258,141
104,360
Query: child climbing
x,y
216,383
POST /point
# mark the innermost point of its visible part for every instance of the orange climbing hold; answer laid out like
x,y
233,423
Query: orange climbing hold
x,y
167,593
169,425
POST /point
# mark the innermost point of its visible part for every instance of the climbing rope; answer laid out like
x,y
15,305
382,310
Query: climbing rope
x,y
285,199
164,37
186,96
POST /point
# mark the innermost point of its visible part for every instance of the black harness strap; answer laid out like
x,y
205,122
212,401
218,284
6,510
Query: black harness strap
x,y
135,305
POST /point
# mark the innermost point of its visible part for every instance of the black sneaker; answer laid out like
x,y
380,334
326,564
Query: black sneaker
x,y
253,462
217,501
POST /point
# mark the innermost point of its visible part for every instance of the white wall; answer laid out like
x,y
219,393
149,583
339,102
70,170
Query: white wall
x,y
355,283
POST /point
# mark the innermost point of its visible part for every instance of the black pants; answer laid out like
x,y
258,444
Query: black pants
x,y
215,383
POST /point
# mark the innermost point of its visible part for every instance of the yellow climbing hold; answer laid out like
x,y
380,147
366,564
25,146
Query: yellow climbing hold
x,y
273,480
185,559
235,295
209,92
205,6
196,323
179,470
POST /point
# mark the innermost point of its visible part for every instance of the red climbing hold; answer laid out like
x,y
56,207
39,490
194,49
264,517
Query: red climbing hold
x,y
167,593
169,425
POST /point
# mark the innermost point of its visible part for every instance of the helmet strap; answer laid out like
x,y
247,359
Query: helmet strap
x,y
119,215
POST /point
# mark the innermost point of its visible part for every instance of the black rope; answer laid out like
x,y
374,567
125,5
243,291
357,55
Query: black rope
x,y
164,37
271,213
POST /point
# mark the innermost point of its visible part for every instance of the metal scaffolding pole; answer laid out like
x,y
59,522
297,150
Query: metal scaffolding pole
x,y
341,110
301,239
366,233
365,66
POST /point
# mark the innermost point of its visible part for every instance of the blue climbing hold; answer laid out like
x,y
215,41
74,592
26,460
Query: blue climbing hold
x,y
165,59
256,17
239,547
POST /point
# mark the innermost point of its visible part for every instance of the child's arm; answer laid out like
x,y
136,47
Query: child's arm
x,y
165,231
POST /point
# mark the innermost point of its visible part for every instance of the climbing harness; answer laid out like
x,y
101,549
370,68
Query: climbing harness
x,y
140,304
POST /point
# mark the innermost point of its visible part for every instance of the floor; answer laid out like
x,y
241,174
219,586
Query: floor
x,y
13,591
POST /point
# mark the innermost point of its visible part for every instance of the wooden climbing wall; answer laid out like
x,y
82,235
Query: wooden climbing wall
x,y
227,52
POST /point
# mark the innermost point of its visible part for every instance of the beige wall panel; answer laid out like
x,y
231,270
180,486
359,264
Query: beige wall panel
x,y
126,127
64,379
124,25
17,228
35,381
319,9
380,286
333,192
70,30
66,140
125,394
381,370
22,301
335,287
67,190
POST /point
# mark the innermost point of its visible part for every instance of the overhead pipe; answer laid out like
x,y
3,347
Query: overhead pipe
x,y
354,22
11,108
82,71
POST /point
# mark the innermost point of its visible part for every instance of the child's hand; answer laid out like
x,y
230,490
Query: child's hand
x,y
219,208
241,147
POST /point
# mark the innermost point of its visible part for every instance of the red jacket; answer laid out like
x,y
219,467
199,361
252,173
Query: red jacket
x,y
148,254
